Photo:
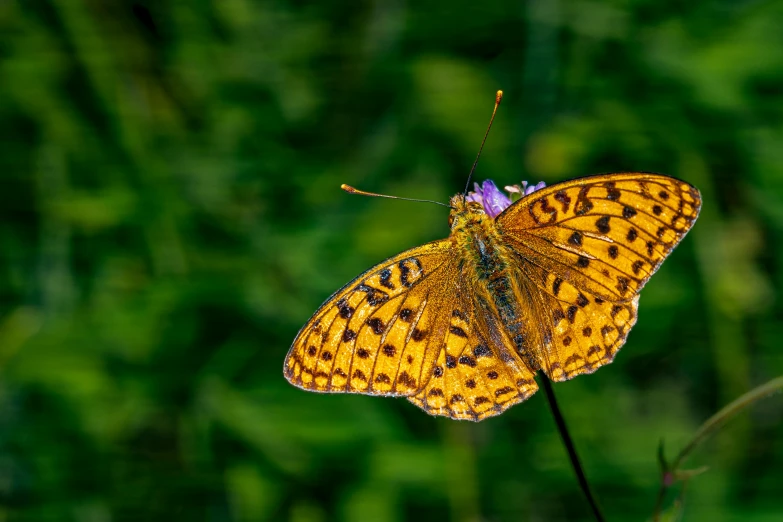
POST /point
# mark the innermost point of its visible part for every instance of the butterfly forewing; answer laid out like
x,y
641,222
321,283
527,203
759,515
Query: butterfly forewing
x,y
378,334
605,234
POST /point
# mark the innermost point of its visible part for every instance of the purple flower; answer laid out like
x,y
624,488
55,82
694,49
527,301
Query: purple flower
x,y
494,201
490,197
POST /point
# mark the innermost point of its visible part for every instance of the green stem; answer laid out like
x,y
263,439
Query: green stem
x,y
569,444
733,408
670,473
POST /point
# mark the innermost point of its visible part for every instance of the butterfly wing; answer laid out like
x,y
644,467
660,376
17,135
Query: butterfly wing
x,y
381,333
478,374
607,234
590,245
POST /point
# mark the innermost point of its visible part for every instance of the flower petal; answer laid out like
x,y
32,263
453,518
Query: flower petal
x,y
477,196
529,189
495,201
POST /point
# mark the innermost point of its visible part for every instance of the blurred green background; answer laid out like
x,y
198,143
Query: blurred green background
x,y
171,216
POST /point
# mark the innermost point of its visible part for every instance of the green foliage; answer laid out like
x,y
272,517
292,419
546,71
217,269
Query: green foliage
x,y
171,216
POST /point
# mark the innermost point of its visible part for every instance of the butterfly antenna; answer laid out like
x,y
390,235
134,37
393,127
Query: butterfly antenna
x,y
350,190
498,98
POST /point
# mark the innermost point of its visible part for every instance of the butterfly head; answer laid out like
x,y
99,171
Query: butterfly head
x,y
465,212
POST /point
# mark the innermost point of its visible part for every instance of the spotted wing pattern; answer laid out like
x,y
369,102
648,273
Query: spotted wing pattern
x,y
584,331
604,234
478,374
590,246
381,334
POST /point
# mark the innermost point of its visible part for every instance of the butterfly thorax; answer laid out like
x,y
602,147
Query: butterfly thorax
x,y
476,238
485,259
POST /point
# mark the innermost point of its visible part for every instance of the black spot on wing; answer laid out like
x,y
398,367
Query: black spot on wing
x,y
587,331
622,284
612,194
602,224
564,199
467,361
386,278
459,332
346,311
556,286
418,335
482,351
375,297
406,379
583,204
410,271
376,325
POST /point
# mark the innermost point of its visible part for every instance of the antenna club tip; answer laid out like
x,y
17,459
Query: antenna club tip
x,y
347,188
498,96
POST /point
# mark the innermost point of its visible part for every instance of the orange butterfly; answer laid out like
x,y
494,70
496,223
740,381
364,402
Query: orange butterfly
x,y
461,325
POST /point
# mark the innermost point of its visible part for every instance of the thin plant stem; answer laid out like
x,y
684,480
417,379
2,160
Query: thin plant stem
x,y
569,444
670,472
733,408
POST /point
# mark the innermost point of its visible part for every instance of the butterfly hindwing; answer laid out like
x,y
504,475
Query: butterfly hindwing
x,y
477,374
605,234
584,332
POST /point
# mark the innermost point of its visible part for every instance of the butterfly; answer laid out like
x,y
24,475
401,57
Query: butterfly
x,y
460,326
